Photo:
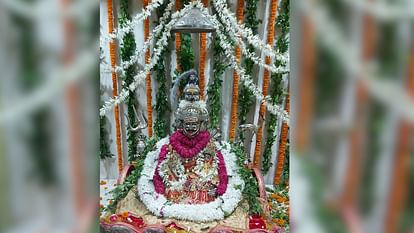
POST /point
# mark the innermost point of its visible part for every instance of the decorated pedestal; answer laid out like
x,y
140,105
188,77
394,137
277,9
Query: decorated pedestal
x,y
133,216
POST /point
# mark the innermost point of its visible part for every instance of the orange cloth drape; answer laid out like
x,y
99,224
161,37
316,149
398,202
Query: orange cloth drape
x,y
235,98
266,79
282,145
112,53
148,78
178,39
202,63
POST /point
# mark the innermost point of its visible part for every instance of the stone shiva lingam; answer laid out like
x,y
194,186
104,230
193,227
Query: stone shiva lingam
x,y
190,175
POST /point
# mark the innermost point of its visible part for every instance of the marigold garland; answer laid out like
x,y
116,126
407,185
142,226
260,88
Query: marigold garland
x,y
282,145
178,39
266,77
277,90
112,52
202,62
234,104
148,79
246,99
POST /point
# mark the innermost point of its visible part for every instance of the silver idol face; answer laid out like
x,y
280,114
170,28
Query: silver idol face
x,y
191,127
192,94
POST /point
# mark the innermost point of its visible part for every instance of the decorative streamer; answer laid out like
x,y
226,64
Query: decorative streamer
x,y
148,79
112,52
266,77
202,63
282,145
178,39
232,136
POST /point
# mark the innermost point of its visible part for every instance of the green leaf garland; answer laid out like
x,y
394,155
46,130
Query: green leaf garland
x,y
246,99
127,51
161,105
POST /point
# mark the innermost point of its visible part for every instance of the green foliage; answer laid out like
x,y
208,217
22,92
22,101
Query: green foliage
x,y
276,92
214,88
246,99
161,105
127,51
150,145
251,190
104,151
186,53
121,190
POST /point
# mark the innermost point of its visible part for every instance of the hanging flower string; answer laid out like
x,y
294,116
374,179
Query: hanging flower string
x,y
250,55
230,20
278,91
235,98
234,34
266,79
177,38
112,51
148,87
282,146
202,63
156,32
138,79
246,80
130,25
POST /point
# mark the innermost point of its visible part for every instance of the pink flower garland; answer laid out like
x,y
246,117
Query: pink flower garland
x,y
189,147
157,179
182,145
222,172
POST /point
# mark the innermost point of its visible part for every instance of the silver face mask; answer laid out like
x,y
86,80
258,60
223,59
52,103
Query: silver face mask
x,y
191,127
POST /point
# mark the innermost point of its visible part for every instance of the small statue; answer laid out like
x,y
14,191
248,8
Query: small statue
x,y
188,170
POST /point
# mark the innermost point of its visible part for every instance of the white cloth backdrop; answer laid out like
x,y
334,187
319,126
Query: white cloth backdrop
x,y
109,171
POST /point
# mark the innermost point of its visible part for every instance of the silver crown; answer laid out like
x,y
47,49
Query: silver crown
x,y
191,111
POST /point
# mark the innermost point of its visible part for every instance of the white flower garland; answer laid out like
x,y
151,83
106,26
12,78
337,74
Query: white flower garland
x,y
140,77
140,52
248,82
251,55
211,211
230,20
179,169
130,25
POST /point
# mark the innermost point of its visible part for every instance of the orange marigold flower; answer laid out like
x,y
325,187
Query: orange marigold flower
x,y
125,214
